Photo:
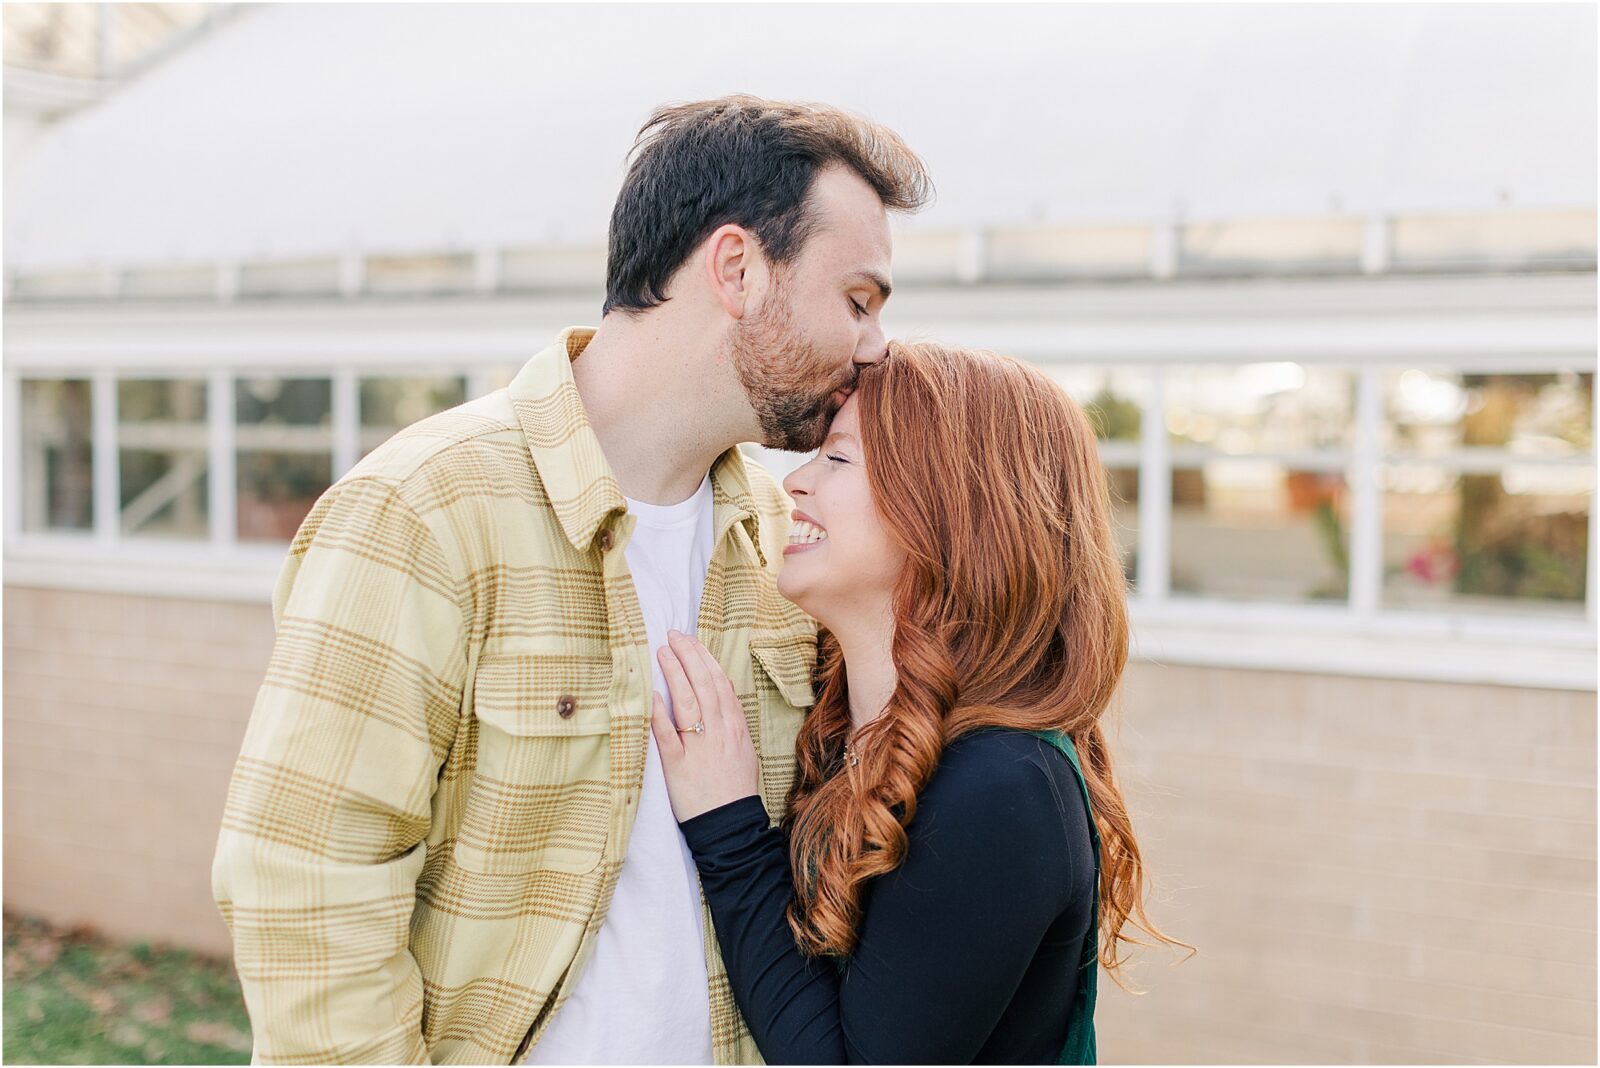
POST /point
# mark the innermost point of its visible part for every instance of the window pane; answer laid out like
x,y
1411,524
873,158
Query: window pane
x,y
388,405
1260,407
162,456
1513,541
57,461
1030,253
1112,399
1258,530
285,453
1270,246
1433,412
1124,486
407,275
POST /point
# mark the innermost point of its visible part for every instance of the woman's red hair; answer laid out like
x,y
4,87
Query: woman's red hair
x,y
1011,612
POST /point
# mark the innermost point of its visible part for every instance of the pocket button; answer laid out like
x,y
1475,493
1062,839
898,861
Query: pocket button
x,y
566,706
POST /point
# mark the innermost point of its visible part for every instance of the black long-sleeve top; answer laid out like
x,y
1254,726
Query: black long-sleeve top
x,y
967,953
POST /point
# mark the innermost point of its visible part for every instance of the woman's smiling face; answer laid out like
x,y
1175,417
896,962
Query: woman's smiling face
x,y
840,558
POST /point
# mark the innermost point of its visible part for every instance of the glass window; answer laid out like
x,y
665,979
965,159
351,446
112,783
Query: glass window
x,y
1514,540
1124,487
169,283
390,404
1033,252
1259,530
1270,246
553,267
1501,240
443,273
290,278
61,285
1432,412
1260,407
163,458
1114,399
284,438
57,458
1259,502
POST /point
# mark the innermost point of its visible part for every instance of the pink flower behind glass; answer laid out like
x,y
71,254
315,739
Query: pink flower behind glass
x,y
1434,562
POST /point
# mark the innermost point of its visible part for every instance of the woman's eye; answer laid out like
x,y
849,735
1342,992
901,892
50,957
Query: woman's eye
x,y
836,458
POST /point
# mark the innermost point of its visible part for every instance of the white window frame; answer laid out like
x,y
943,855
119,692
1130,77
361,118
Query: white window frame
x,y
1358,637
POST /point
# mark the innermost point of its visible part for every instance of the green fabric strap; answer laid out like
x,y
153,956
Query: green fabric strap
x,y
1080,1047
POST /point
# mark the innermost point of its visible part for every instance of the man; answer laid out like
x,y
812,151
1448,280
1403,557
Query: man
x,y
447,835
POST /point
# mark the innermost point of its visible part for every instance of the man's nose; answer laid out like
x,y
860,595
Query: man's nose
x,y
874,347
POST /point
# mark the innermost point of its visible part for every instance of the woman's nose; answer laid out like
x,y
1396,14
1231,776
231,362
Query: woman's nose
x,y
794,481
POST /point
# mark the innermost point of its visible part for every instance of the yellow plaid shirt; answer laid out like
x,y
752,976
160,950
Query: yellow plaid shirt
x,y
439,778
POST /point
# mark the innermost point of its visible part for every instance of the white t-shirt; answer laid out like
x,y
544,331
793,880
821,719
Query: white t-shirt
x,y
643,997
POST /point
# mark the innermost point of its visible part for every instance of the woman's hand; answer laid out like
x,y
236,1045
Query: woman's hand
x,y
711,767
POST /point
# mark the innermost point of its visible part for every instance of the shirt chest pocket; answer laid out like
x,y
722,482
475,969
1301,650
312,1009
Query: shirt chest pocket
x,y
540,796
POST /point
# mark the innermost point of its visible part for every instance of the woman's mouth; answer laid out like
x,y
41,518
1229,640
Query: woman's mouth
x,y
803,535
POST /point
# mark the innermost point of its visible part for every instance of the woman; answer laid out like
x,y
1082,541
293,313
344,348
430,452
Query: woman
x,y
939,891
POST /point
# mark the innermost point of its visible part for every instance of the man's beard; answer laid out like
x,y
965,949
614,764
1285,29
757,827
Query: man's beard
x,y
777,367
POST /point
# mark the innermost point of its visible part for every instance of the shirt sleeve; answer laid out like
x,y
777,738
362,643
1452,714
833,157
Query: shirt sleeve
x,y
944,940
323,833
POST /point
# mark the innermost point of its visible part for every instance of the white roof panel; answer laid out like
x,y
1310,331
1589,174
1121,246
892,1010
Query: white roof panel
x,y
303,129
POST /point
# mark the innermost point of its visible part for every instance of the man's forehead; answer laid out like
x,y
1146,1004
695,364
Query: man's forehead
x,y
849,210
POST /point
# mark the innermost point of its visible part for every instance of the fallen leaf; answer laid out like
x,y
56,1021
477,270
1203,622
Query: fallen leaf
x,y
216,1033
157,1010
126,1034
102,1001
43,950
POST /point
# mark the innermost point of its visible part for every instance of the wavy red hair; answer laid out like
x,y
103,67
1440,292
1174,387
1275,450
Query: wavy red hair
x,y
1011,611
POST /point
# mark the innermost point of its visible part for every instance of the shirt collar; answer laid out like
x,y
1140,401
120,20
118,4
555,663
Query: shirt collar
x,y
582,490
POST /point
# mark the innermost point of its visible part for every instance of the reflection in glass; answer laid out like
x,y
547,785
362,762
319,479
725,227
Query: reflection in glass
x,y
285,453
1433,412
1123,483
1516,540
1260,407
162,457
390,404
1259,530
1112,399
57,460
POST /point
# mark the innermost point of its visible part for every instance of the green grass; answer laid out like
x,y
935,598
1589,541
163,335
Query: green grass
x,y
73,997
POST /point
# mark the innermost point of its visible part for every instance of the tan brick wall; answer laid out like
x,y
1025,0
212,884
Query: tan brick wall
x,y
123,716
1374,871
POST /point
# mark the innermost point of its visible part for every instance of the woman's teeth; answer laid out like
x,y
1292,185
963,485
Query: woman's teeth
x,y
803,533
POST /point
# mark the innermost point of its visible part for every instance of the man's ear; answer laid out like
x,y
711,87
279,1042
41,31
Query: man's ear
x,y
730,252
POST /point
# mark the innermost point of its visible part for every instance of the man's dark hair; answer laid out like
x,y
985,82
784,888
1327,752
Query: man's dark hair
x,y
743,160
